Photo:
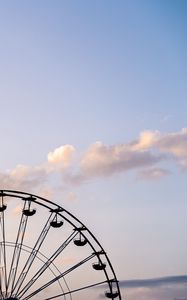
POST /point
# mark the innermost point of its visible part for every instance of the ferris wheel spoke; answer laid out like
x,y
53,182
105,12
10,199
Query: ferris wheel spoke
x,y
3,252
42,258
63,274
47,264
1,275
17,251
2,271
33,254
78,290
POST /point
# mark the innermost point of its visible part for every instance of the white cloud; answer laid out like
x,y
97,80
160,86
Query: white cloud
x,y
147,139
25,178
102,160
20,172
143,155
174,143
153,173
62,155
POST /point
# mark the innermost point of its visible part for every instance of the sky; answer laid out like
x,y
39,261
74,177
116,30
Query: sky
x,y
93,116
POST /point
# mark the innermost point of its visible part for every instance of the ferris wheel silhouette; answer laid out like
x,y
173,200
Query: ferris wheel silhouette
x,y
48,253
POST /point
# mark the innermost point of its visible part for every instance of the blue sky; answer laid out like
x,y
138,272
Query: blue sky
x,y
114,72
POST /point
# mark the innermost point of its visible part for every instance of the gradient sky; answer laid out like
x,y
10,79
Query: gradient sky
x,y
112,72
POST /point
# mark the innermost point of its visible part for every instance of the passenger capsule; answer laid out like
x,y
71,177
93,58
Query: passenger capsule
x,y
56,224
28,212
99,266
3,207
112,295
80,242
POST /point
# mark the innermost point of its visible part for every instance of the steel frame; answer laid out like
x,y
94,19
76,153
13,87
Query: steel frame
x,y
13,285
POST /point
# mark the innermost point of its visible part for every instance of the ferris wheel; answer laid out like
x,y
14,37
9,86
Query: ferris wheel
x,y
47,253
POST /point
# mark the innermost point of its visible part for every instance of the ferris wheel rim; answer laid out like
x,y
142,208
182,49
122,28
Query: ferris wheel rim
x,y
59,210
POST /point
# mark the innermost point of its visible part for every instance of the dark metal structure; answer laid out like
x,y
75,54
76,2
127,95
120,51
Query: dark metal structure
x,y
47,253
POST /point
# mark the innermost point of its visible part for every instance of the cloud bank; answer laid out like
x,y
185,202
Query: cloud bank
x,y
145,156
165,288
154,282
